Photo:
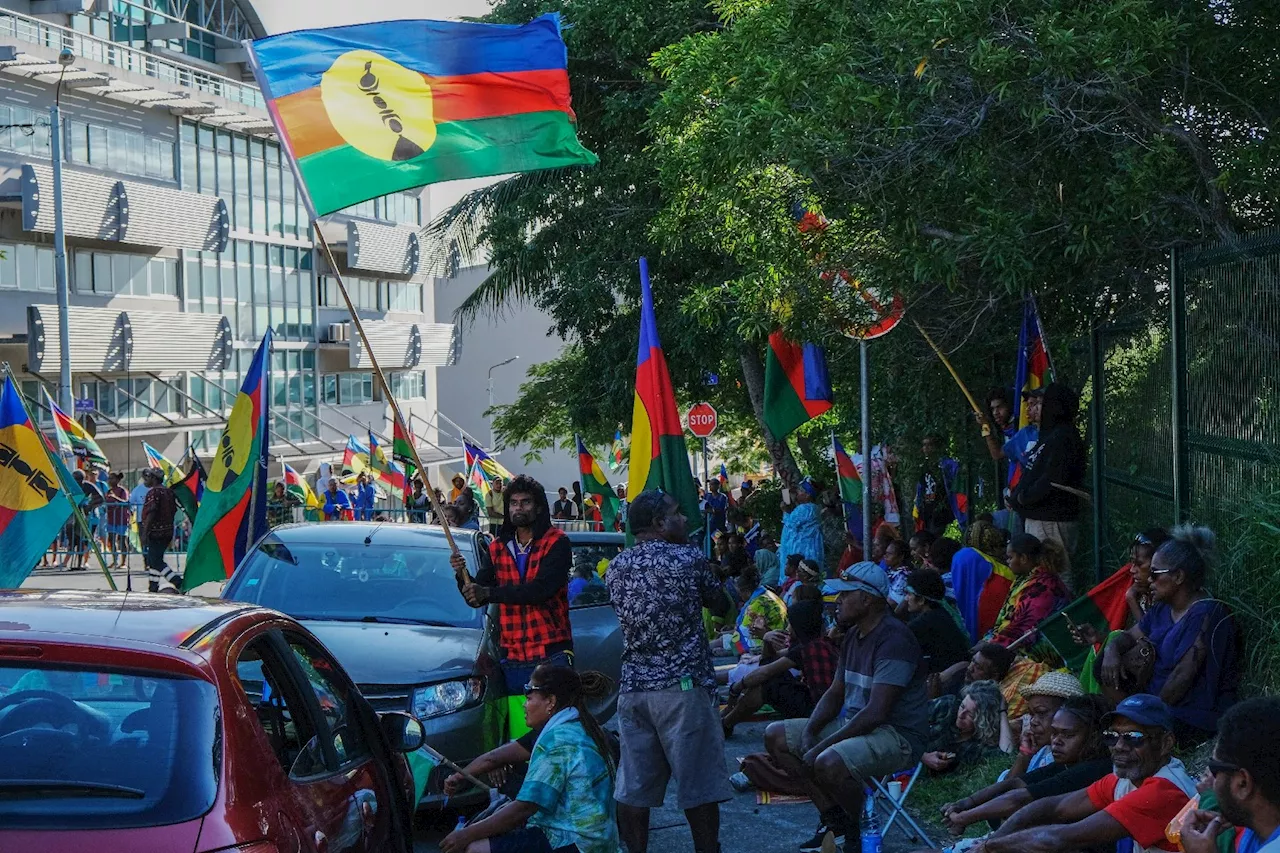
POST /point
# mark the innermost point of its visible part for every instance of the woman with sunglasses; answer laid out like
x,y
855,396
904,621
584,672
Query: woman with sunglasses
x,y
1185,648
566,802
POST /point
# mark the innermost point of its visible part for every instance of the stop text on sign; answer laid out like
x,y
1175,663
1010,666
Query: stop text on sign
x,y
702,420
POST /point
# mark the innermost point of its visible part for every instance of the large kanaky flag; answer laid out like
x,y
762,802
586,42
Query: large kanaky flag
x,y
659,455
233,509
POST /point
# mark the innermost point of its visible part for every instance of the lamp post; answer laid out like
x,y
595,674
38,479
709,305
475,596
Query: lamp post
x,y
65,399
492,440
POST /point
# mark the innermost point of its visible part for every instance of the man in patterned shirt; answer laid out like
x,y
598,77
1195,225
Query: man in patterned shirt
x,y
668,722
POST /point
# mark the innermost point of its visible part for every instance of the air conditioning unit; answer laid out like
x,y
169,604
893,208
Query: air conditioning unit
x,y
339,332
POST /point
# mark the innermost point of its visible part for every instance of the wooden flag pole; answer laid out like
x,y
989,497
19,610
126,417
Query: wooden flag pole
x,y
951,370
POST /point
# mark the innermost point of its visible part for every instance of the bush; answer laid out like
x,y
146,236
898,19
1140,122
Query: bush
x,y
1247,578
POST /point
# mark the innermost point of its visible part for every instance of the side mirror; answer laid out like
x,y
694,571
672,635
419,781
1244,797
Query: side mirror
x,y
403,732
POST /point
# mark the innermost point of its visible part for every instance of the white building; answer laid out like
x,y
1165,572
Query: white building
x,y
186,241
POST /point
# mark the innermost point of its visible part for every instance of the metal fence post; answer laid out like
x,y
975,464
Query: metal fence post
x,y
1178,362
1098,427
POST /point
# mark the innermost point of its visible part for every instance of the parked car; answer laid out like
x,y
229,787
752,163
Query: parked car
x,y
140,723
385,599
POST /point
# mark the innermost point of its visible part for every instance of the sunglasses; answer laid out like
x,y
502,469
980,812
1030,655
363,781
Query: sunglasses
x,y
530,689
1217,767
1133,740
1161,571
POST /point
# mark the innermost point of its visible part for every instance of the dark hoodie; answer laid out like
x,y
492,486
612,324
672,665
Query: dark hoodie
x,y
1058,457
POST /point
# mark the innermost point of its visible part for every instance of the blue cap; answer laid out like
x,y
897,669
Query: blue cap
x,y
1143,709
865,577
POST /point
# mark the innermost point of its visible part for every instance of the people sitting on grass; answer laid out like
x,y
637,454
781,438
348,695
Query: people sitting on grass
x,y
1185,649
1043,699
974,732
988,662
1079,759
979,577
1245,769
807,650
808,573
931,618
871,722
1134,803
566,801
1037,593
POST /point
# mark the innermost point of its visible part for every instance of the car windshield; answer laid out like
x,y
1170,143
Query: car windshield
x,y
92,749
354,583
586,584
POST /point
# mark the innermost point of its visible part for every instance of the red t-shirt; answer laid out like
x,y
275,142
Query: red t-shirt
x,y
1143,812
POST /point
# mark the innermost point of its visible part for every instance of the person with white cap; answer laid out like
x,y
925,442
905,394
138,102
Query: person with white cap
x,y
872,721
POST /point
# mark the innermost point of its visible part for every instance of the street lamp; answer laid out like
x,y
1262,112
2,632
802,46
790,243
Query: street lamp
x,y
492,440
65,400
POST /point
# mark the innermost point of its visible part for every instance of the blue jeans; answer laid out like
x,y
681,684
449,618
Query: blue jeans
x,y
517,673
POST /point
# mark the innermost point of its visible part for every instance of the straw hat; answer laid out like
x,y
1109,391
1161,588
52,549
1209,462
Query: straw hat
x,y
1057,683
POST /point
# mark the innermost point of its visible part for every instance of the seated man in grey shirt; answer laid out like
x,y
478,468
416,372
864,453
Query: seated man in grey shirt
x,y
874,719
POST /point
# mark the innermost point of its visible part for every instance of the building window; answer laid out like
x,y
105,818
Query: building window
x,y
404,297
408,386
347,389
329,389
129,275
117,150
25,131
249,175
364,292
26,267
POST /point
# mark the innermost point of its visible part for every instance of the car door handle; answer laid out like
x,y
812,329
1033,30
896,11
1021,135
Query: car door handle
x,y
322,842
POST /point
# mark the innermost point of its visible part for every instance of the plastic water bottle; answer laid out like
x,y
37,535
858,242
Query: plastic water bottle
x,y
462,823
871,838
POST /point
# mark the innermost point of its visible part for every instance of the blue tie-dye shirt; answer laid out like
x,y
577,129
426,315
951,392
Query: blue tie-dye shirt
x,y
570,783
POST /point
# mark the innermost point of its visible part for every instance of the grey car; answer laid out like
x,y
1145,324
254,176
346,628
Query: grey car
x,y
383,598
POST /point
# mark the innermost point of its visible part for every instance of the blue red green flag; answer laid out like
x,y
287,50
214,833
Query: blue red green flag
x,y
233,509
797,387
595,485
615,452
33,507
371,109
659,455
850,483
1034,369
491,467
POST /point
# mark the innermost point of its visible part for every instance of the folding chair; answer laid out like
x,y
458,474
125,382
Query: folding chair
x,y
892,808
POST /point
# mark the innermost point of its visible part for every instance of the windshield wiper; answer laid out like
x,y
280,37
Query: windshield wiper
x,y
60,787
404,620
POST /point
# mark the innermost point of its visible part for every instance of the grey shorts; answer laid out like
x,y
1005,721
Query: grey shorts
x,y
879,753
671,733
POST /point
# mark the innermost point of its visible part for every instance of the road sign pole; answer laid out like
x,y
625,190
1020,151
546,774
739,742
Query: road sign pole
x,y
706,508
865,366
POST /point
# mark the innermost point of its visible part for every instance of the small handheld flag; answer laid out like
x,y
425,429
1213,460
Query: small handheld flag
x,y
233,511
188,489
372,109
297,486
851,490
615,452
1034,369
72,435
491,467
595,485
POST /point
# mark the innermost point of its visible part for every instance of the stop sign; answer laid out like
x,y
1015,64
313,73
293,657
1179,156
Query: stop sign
x,y
702,420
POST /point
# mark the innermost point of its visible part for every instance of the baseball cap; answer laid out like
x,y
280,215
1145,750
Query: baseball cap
x,y
1143,709
865,577
1034,392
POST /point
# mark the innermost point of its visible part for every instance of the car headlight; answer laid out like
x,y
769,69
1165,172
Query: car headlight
x,y
446,697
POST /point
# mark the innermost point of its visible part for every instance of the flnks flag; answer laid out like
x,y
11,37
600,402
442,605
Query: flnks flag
x,y
372,109
797,387
595,485
234,507
490,466
295,485
615,452
188,489
388,472
1034,369
32,506
659,456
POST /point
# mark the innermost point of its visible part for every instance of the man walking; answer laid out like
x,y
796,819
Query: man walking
x,y
669,725
156,530
528,581
1246,781
873,720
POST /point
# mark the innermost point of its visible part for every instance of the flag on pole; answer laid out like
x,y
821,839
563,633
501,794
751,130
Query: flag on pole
x,y
355,458
1034,370
71,434
296,485
491,467
233,511
478,482
188,489
595,485
402,443
156,459
33,505
850,482
372,109
659,455
1104,607
797,387
388,472
615,452
723,476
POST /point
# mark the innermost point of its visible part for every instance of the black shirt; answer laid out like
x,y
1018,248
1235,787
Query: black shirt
x,y
1055,779
940,638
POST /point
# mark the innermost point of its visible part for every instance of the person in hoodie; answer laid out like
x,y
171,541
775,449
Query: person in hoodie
x,y
1047,495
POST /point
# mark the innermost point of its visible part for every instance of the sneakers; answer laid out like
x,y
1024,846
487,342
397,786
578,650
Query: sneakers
x,y
814,845
740,782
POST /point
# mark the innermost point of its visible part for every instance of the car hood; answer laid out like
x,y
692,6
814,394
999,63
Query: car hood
x,y
150,839
400,654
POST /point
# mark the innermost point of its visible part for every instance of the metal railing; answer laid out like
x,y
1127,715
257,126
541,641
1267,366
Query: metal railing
x,y
35,31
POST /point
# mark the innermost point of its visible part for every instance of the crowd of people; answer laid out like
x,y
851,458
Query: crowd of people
x,y
869,670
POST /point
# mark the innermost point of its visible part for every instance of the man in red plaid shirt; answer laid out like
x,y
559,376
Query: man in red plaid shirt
x,y
528,579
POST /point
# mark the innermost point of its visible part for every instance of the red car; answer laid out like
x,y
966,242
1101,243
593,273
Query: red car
x,y
140,723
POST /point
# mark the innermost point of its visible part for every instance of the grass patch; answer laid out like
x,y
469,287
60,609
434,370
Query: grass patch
x,y
931,793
